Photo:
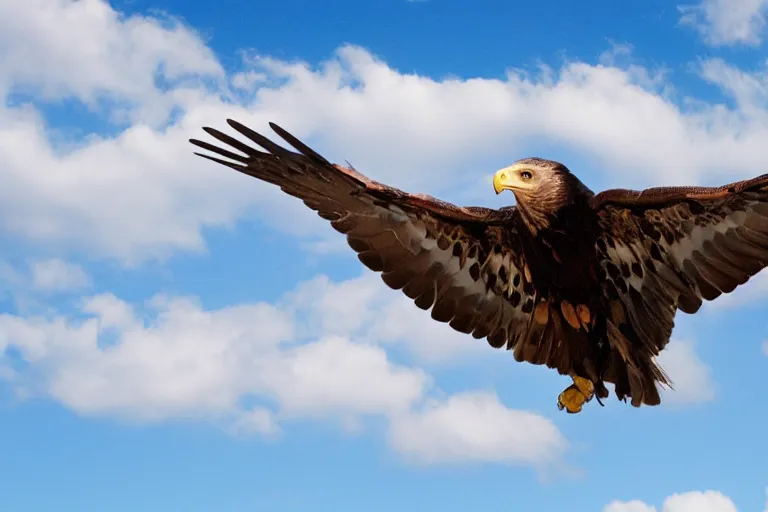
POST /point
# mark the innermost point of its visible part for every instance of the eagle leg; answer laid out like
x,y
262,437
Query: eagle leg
x,y
576,395
600,392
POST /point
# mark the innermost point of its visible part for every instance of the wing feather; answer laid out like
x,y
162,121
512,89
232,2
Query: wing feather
x,y
703,242
665,249
671,248
463,263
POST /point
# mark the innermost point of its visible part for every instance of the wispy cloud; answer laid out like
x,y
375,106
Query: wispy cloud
x,y
727,22
691,378
57,275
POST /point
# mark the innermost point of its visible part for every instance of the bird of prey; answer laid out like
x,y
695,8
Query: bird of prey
x,y
585,283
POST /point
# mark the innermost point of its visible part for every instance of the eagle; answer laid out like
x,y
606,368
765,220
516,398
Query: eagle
x,y
587,284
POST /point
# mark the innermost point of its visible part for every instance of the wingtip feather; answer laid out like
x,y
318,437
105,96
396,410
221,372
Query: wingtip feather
x,y
297,144
231,165
234,124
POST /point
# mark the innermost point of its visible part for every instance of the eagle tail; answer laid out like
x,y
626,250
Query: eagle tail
x,y
549,340
631,365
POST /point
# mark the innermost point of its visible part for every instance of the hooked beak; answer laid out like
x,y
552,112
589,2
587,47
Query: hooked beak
x,y
503,180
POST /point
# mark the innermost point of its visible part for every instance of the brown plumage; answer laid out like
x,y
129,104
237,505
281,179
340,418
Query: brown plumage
x,y
583,283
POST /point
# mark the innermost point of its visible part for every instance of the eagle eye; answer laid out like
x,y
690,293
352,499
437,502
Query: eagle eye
x,y
526,175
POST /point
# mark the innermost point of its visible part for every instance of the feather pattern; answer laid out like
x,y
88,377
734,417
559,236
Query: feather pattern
x,y
669,249
462,263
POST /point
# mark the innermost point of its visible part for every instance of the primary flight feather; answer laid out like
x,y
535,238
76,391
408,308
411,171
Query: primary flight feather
x,y
583,283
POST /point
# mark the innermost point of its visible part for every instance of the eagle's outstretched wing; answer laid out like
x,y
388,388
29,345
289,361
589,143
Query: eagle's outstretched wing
x,y
462,262
669,248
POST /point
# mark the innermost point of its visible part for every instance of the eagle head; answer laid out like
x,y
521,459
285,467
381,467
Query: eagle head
x,y
541,188
532,177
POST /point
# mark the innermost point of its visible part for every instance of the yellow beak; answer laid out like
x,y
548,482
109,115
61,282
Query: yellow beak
x,y
502,181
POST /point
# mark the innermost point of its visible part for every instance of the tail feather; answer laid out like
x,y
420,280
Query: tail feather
x,y
631,365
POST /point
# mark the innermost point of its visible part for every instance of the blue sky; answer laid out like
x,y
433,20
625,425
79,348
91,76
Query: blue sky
x,y
174,336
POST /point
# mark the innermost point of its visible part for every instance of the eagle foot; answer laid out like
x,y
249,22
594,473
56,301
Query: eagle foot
x,y
576,395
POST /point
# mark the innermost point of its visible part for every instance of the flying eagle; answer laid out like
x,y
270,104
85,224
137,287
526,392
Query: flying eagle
x,y
585,283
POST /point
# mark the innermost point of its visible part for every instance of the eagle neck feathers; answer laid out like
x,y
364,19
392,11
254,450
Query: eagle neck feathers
x,y
546,209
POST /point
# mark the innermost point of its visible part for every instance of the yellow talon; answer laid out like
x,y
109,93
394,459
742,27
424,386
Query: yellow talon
x,y
585,386
576,395
571,400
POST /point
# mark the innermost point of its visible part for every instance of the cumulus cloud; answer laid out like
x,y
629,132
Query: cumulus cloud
x,y
727,22
338,376
87,50
57,275
139,193
186,361
476,427
629,506
694,501
367,309
252,367
691,377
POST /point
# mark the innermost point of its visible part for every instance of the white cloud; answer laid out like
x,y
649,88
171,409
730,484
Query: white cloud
x,y
748,90
366,309
141,193
691,377
727,22
258,420
694,501
112,312
133,196
765,348
252,367
186,361
337,376
707,501
86,49
57,275
476,427
88,191
629,506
